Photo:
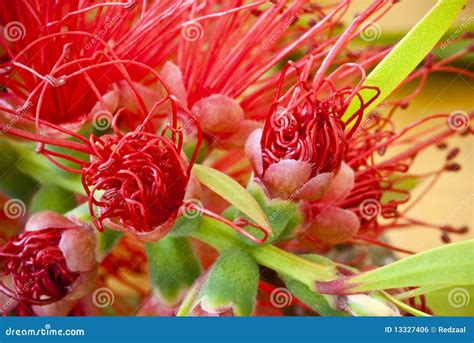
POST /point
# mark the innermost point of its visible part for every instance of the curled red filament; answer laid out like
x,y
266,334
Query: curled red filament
x,y
143,177
306,124
37,266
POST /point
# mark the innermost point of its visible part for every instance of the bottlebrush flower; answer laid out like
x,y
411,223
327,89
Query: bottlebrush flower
x,y
371,188
143,176
61,39
304,139
233,47
49,266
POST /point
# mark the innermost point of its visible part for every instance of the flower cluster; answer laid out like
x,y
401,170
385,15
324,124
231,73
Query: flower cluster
x,y
124,100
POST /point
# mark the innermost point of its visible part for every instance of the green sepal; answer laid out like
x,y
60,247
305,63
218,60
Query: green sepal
x,y
231,283
284,216
173,267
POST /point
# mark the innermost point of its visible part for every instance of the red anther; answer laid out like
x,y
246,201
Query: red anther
x,y
445,238
452,154
453,167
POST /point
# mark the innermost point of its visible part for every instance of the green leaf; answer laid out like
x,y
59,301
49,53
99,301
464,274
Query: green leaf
x,y
231,191
13,182
173,267
52,198
451,264
107,240
409,52
231,283
318,302
453,301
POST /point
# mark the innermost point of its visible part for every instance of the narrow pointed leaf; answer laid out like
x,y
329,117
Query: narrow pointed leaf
x,y
231,191
410,51
451,264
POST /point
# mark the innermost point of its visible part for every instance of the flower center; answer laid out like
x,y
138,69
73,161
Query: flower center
x,y
143,177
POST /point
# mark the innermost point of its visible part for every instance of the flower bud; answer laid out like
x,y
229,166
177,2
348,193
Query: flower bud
x,y
286,178
51,265
324,220
218,114
368,305
228,289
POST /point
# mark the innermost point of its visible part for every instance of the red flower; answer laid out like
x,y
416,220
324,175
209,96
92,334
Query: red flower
x,y
369,188
61,39
144,179
50,265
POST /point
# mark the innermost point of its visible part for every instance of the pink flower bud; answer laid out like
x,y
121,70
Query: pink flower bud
x,y
286,178
218,114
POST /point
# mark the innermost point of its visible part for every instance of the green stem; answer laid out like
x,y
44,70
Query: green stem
x,y
403,306
219,236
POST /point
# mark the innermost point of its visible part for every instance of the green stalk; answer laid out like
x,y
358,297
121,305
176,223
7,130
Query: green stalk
x,y
409,52
219,236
